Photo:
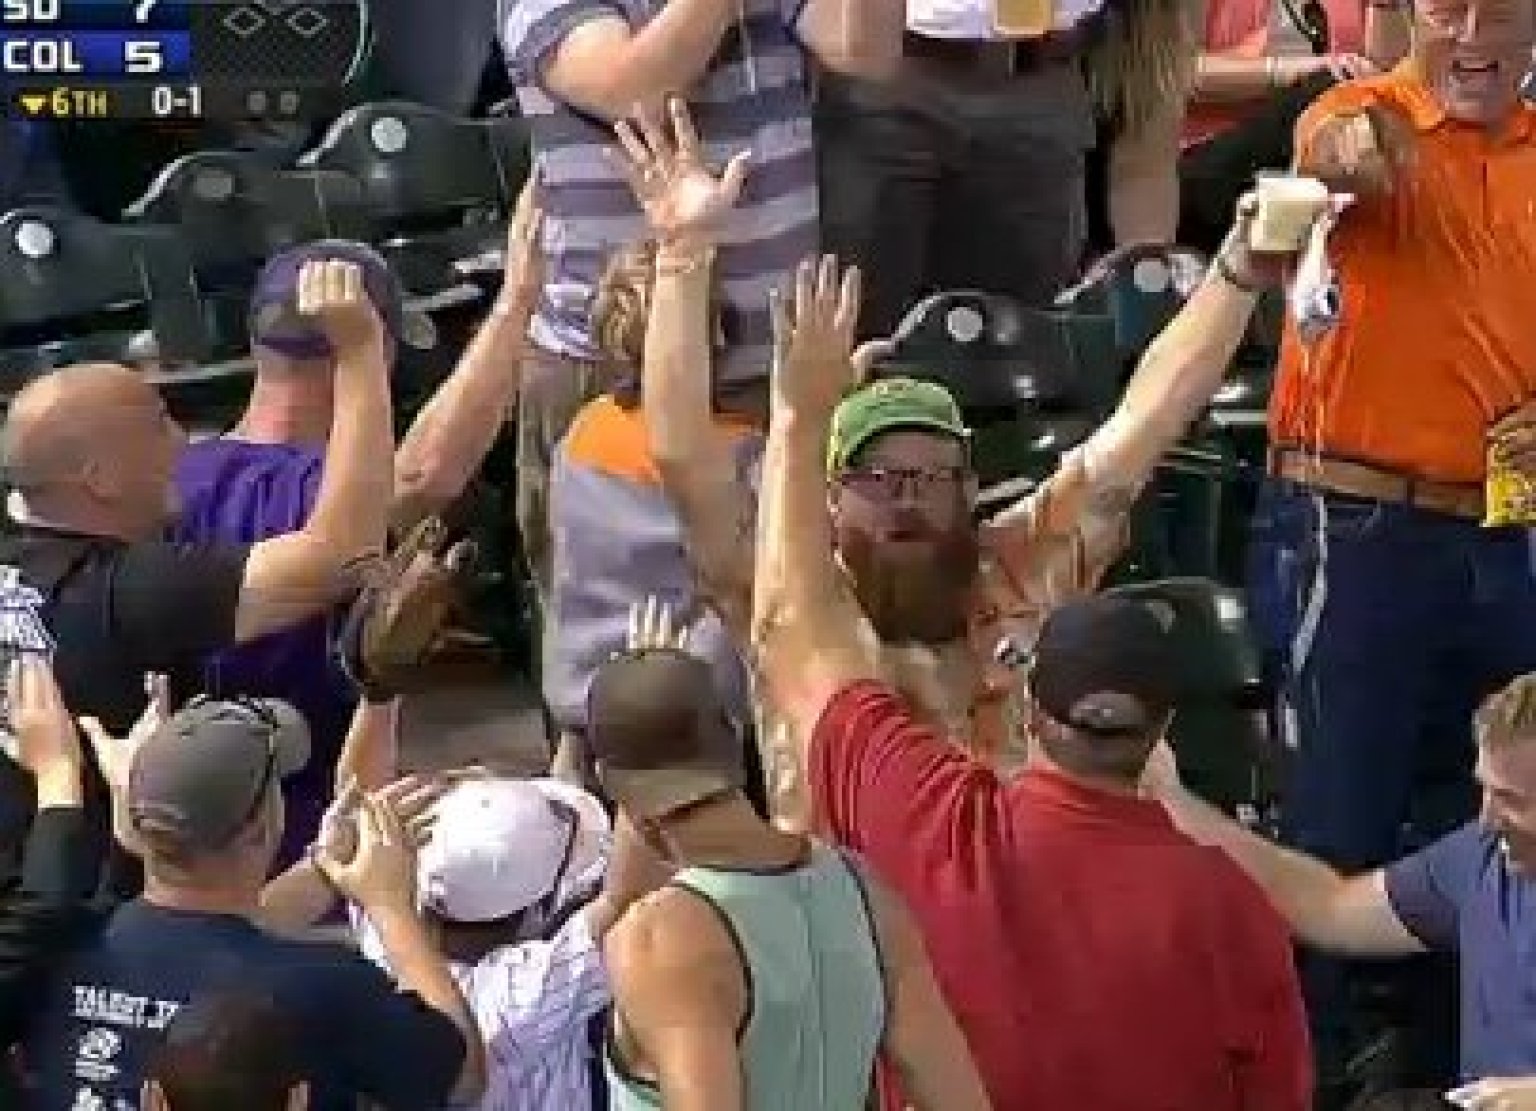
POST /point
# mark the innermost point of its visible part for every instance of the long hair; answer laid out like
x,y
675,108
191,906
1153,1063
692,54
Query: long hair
x,y
1144,59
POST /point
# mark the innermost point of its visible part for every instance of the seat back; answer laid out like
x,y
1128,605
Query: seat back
x,y
1219,729
72,289
1140,288
439,188
233,209
422,169
998,357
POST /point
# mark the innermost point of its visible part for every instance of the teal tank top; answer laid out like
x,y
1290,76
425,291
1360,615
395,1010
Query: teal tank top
x,y
816,990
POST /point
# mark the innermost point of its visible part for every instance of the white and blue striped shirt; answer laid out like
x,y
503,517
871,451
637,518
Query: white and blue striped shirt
x,y
534,1003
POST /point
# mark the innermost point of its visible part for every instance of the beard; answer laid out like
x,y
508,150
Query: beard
x,y
913,581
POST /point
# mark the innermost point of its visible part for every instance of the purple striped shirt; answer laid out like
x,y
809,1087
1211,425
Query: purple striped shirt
x,y
754,97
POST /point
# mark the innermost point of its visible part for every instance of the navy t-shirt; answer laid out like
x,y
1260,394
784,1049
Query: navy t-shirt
x,y
96,1028
1459,895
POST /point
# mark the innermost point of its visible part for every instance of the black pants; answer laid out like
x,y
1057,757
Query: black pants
x,y
932,186
1214,174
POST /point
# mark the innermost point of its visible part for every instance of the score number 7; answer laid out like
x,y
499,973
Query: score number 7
x,y
142,9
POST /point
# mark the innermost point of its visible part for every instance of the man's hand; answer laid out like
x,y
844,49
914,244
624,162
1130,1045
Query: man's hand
x,y
523,271
813,343
47,743
412,798
114,756
1359,152
652,626
683,202
1496,1094
331,293
379,874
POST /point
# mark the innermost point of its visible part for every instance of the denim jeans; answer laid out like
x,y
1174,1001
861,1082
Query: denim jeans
x,y
1386,626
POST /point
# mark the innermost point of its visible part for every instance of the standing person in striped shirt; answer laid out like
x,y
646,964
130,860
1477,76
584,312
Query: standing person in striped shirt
x,y
579,64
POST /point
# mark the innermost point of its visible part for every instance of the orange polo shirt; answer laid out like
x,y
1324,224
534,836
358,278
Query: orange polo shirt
x,y
1438,334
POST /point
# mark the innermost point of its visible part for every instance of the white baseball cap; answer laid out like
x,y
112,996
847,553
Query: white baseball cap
x,y
498,846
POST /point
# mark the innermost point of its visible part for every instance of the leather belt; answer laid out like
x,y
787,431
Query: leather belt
x,y
979,61
1362,480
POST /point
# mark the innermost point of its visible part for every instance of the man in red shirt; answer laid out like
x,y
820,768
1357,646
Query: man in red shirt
x,y
1093,955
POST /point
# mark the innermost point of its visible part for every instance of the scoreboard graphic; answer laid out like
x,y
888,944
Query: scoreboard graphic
x,y
165,59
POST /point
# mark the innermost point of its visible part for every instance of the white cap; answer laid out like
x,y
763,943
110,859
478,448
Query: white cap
x,y
497,847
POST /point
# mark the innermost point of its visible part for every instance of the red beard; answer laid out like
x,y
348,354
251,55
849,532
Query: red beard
x,y
914,582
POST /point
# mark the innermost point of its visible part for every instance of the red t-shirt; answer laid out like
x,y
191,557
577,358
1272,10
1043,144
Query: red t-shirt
x,y
1094,956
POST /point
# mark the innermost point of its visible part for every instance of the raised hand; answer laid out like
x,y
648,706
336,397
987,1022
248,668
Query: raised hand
x,y
113,755
683,201
651,626
47,743
523,271
379,874
1359,152
813,340
332,295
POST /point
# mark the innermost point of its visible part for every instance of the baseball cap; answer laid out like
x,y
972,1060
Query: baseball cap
x,y
659,732
275,322
887,404
1106,665
499,845
197,781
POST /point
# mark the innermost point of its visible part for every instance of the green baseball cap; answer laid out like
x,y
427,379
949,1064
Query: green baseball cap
x,y
887,404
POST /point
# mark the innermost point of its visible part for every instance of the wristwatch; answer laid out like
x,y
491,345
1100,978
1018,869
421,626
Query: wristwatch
x,y
1228,273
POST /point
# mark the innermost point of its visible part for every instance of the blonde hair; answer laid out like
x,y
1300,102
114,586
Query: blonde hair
x,y
1145,60
1508,716
621,305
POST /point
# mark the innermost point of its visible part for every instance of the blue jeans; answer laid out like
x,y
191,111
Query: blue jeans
x,y
1387,626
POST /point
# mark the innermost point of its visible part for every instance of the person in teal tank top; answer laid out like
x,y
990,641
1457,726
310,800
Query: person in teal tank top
x,y
770,972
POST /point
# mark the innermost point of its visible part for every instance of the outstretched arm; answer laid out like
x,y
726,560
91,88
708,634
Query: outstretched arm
x,y
684,204
812,636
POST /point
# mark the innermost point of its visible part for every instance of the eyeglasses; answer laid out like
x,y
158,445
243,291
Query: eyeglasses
x,y
889,483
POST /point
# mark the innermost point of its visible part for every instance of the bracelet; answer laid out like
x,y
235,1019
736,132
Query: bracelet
x,y
678,266
1227,273
1272,72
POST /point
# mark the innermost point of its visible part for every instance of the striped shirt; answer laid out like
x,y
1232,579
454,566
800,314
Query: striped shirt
x,y
753,96
534,1003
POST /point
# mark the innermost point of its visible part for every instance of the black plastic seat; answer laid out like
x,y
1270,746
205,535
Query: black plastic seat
x,y
73,289
1140,288
439,188
998,357
234,210
1220,728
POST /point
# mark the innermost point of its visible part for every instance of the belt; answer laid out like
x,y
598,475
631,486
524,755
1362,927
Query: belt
x,y
1362,480
992,60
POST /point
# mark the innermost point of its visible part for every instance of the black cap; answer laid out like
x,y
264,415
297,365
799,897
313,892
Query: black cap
x,y
199,779
1106,665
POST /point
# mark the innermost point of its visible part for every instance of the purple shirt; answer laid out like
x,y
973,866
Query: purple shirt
x,y
1458,895
234,491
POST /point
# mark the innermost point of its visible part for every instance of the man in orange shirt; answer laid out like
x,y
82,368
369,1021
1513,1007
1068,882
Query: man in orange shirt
x,y
1392,610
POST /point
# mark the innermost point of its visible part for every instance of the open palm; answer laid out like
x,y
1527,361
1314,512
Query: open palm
x,y
681,198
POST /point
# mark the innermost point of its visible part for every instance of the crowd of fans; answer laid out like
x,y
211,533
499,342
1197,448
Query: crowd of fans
x,y
854,797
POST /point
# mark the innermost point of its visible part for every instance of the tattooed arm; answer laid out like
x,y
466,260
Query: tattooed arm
x,y
1172,384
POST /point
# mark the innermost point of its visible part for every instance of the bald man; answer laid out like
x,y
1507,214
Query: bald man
x,y
90,453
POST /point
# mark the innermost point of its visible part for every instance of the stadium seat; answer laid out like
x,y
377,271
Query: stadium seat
x,y
234,210
1140,288
73,289
1220,730
439,188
